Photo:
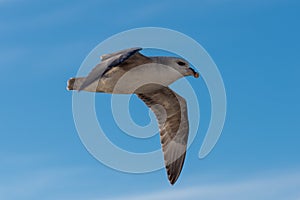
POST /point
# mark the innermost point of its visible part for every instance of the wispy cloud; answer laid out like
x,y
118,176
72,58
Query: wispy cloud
x,y
26,177
277,186
34,181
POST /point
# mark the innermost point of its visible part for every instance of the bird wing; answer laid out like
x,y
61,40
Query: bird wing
x,y
171,112
107,56
108,62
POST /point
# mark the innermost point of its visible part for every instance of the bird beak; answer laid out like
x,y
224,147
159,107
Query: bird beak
x,y
194,73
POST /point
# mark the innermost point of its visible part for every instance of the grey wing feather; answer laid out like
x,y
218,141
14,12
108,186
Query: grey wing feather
x,y
171,112
107,56
110,61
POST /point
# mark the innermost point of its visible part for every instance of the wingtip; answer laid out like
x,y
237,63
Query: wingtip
x,y
171,177
172,182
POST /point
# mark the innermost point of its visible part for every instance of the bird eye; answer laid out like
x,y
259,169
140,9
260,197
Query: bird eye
x,y
180,63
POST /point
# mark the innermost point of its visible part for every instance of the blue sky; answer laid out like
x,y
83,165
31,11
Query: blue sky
x,y
255,45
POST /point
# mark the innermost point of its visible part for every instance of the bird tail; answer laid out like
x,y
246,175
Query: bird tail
x,y
75,83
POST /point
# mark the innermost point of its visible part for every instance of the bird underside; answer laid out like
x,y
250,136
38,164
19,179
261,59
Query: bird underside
x,y
119,81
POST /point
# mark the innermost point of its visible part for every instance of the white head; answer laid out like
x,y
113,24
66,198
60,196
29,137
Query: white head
x,y
180,65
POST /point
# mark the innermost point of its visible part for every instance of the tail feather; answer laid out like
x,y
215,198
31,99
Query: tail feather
x,y
74,83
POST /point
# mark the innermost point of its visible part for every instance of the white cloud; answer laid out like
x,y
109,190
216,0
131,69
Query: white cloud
x,y
32,183
24,176
271,187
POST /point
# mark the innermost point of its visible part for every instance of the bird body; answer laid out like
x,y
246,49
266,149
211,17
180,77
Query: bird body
x,y
129,72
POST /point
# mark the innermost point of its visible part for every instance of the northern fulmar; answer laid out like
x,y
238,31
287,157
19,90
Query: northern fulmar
x,y
129,72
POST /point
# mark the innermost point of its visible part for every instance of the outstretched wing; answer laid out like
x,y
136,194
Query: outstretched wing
x,y
109,61
171,112
107,56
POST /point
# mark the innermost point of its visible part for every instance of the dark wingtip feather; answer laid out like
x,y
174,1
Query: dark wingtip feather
x,y
174,169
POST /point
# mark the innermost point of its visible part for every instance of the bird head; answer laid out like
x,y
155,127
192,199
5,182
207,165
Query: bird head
x,y
183,67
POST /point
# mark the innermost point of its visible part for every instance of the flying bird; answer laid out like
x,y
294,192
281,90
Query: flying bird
x,y
130,72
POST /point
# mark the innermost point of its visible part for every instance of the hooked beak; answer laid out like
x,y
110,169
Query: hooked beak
x,y
194,73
